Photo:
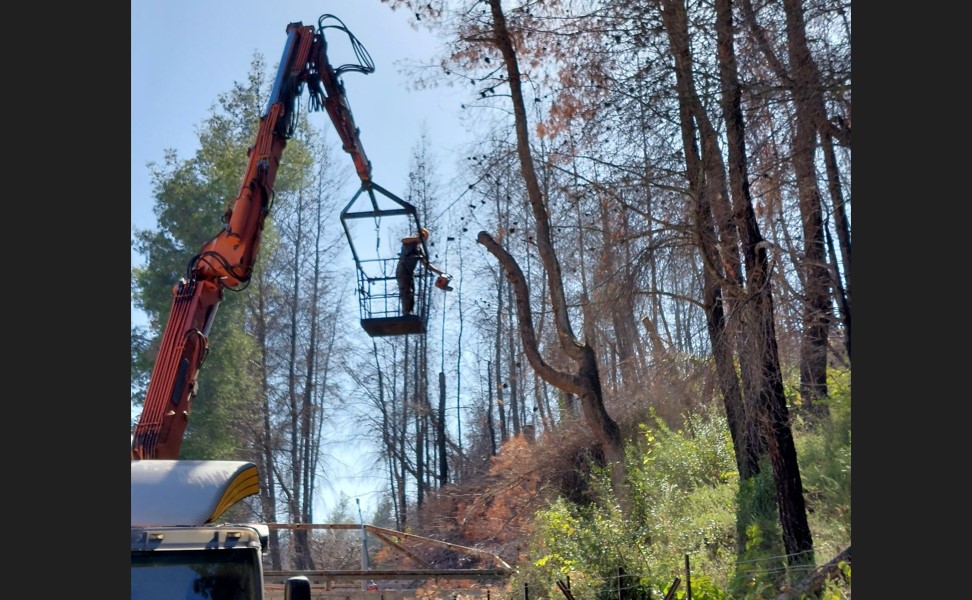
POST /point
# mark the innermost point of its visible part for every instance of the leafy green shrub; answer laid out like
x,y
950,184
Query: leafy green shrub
x,y
684,498
681,499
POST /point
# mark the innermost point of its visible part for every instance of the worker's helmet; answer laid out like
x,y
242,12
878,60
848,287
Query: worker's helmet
x,y
425,233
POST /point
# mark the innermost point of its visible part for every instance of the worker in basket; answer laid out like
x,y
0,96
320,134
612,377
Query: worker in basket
x,y
411,254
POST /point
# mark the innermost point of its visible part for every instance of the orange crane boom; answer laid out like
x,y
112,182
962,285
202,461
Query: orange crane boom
x,y
226,261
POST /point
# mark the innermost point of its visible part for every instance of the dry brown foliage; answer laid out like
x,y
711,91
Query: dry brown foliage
x,y
494,512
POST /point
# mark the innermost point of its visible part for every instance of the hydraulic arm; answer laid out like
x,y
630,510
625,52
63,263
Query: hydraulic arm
x,y
226,261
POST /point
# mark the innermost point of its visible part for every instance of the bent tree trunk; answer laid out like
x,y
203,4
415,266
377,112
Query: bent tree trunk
x,y
585,383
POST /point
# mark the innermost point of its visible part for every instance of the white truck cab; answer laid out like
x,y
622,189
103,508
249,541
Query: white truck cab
x,y
180,550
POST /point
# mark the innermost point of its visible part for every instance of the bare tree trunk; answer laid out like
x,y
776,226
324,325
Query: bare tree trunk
x,y
460,458
308,445
817,313
498,357
797,538
753,441
402,434
759,360
513,374
265,459
419,419
722,274
440,433
618,293
541,405
586,381
841,224
387,409
804,82
294,397
489,409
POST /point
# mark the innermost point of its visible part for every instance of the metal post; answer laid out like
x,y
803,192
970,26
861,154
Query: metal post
x,y
671,590
364,545
688,580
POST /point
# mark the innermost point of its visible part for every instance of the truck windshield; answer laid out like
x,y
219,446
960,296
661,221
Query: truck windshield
x,y
196,575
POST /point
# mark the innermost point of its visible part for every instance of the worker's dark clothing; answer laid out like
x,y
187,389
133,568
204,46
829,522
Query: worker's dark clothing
x,y
409,257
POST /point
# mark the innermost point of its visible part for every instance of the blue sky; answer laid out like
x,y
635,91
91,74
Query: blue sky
x,y
184,53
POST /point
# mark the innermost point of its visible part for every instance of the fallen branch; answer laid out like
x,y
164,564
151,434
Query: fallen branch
x,y
815,582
